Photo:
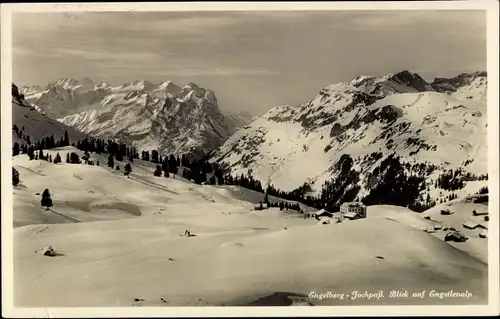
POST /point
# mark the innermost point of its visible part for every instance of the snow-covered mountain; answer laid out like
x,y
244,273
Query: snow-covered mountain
x,y
464,86
32,124
357,137
165,117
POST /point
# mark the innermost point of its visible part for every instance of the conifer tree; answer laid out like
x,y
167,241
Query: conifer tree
x,y
128,169
46,199
15,149
157,171
111,161
66,138
74,158
57,159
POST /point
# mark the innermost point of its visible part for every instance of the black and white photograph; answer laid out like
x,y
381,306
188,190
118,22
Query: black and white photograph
x,y
232,156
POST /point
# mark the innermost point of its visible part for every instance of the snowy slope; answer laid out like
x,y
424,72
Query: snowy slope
x,y
471,86
462,209
363,121
121,238
165,117
36,125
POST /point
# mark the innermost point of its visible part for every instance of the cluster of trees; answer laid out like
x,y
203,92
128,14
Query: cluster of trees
x,y
244,181
119,151
395,186
483,190
455,179
21,134
72,158
342,188
43,144
281,205
450,181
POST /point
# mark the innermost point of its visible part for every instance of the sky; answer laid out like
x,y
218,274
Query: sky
x,y
253,60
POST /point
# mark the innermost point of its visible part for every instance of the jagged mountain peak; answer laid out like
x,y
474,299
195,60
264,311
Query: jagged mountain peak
x,y
164,116
470,86
346,134
442,84
398,82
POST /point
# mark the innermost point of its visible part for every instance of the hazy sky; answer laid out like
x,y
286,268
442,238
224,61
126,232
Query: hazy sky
x,y
252,60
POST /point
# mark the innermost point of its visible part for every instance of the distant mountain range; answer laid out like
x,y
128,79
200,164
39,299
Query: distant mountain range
x,y
165,117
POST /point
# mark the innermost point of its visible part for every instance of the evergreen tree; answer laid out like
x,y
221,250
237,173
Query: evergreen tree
x,y
119,156
172,165
74,158
266,199
164,165
111,161
166,174
57,159
46,199
67,158
15,177
157,171
128,169
154,156
40,154
66,138
15,149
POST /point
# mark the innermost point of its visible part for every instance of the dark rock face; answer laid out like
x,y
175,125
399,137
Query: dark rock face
x,y
412,80
388,114
336,130
452,84
16,95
